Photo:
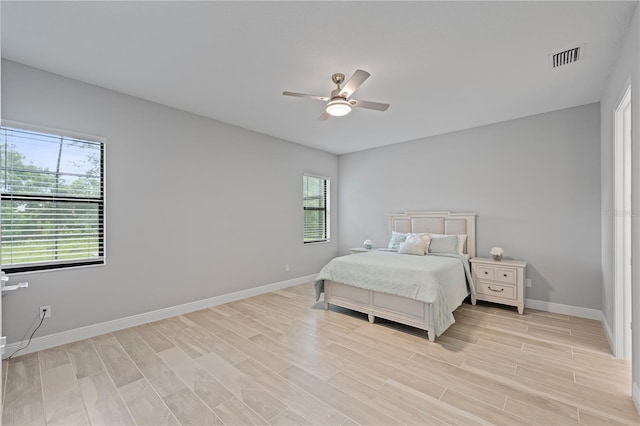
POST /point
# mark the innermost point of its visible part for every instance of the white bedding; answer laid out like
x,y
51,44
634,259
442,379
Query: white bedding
x,y
440,280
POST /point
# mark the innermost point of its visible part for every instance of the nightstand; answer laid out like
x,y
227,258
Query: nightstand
x,y
498,281
357,250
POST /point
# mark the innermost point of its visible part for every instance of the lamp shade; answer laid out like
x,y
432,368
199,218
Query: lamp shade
x,y
338,108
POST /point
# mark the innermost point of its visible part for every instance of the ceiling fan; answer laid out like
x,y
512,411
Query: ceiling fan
x,y
339,103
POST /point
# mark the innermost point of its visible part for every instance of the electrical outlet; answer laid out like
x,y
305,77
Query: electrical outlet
x,y
527,282
45,311
286,268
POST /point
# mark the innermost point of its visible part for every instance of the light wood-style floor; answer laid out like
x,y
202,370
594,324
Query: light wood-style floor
x,y
280,358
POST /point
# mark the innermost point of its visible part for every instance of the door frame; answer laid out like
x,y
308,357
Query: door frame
x,y
622,226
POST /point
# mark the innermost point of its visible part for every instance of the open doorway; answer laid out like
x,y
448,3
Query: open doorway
x,y
622,171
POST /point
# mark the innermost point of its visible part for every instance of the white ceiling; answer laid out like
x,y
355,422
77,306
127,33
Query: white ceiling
x,y
443,66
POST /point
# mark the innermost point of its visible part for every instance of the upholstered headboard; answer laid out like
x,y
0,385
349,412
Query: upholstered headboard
x,y
437,223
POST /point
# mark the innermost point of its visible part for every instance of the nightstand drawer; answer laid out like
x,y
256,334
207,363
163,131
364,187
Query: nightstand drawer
x,y
506,275
485,272
496,290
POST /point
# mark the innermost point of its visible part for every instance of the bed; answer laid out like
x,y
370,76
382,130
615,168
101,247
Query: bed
x,y
388,285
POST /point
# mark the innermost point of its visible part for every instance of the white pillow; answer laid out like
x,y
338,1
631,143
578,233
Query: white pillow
x,y
397,238
446,244
462,238
416,244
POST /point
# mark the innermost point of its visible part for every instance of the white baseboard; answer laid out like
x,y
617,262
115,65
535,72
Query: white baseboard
x,y
69,336
559,308
635,395
609,333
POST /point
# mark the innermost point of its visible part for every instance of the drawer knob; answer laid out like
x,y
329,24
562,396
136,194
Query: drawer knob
x,y
505,275
497,291
486,273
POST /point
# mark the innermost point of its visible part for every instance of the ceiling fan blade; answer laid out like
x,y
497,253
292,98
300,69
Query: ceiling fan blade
x,y
324,116
354,82
378,106
303,95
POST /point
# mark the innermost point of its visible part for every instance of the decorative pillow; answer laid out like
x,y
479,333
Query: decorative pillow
x,y
416,244
397,238
462,239
447,244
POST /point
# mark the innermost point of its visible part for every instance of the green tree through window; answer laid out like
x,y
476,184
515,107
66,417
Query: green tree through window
x,y
52,212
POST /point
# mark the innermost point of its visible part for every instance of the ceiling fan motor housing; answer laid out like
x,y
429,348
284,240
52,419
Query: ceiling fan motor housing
x,y
338,78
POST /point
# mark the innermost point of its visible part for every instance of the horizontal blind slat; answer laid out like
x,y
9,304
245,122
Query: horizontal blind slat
x,y
52,210
315,194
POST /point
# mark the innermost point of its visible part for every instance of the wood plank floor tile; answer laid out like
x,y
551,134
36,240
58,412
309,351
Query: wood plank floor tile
x,y
204,321
536,414
482,410
394,391
118,364
103,402
255,351
259,326
229,324
304,357
291,395
393,408
227,310
156,340
127,337
593,419
235,412
484,365
289,418
280,358
522,394
346,404
174,326
189,409
242,387
23,402
23,378
84,358
53,357
163,379
595,381
210,390
5,366
145,405
62,400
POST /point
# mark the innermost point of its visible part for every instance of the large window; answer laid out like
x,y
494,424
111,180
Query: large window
x,y
52,208
316,208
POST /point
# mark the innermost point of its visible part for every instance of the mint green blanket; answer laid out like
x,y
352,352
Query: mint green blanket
x,y
439,279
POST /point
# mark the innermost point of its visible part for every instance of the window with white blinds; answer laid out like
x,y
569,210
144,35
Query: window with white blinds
x,y
316,208
52,209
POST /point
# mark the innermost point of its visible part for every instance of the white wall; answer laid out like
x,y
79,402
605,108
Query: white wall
x,y
625,71
534,183
195,208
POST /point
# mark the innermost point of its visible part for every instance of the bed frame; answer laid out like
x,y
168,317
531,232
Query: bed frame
x,y
396,308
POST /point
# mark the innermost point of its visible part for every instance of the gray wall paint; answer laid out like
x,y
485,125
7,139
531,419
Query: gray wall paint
x,y
195,208
534,183
625,71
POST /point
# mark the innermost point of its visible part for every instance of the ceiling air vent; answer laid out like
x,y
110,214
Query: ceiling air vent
x,y
565,57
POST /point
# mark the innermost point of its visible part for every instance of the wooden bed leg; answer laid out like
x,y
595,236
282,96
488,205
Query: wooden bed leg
x,y
326,306
372,318
431,334
473,300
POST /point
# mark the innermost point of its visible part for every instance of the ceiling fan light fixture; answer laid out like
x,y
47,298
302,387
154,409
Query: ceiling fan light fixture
x,y
338,107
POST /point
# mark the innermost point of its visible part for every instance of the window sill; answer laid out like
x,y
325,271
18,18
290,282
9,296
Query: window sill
x,y
316,242
9,273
